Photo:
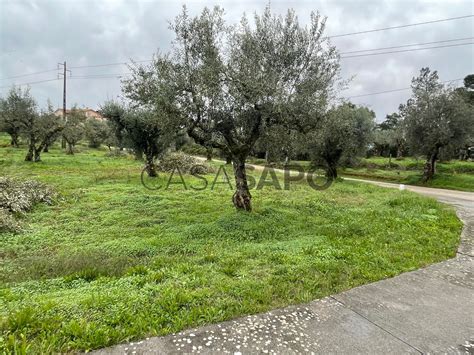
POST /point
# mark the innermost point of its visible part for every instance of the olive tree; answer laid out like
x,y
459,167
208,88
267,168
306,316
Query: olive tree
x,y
389,136
14,110
344,132
74,129
435,116
114,112
149,132
232,83
97,132
40,129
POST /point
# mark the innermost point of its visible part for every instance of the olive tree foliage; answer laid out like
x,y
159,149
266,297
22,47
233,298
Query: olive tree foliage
x,y
20,118
13,110
74,129
435,116
97,132
114,112
149,132
389,136
146,129
230,84
344,133
467,92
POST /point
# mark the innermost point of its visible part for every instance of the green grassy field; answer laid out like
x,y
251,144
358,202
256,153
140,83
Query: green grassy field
x,y
455,175
111,261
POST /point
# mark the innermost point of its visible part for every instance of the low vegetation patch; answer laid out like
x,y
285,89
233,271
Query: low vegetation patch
x,y
18,197
112,261
185,163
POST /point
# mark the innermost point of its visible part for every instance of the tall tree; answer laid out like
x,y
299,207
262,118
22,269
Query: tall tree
x,y
232,83
435,116
345,132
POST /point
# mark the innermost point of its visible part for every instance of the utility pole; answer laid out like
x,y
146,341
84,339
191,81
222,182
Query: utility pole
x,y
63,141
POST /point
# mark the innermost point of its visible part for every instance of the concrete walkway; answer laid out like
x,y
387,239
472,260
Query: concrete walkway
x,y
430,310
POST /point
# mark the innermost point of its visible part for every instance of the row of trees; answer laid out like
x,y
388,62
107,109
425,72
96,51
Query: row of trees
x,y
436,120
21,119
267,86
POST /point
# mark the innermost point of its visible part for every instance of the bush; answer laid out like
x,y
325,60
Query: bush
x,y
18,197
8,222
186,164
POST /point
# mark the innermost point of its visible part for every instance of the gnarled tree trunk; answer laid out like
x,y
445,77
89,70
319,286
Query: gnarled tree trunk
x,y
430,166
241,197
332,172
208,153
31,151
150,166
14,140
70,149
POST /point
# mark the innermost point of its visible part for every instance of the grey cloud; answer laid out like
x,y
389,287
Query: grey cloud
x,y
35,35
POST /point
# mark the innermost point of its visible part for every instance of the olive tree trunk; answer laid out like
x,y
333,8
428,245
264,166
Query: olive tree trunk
x,y
150,166
14,140
332,172
430,166
31,151
208,153
241,198
70,149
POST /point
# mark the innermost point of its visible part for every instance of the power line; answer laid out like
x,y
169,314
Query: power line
x,y
110,64
401,26
30,83
407,45
394,90
23,75
406,50
99,76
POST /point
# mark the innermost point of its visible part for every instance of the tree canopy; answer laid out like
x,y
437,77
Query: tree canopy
x,y
229,84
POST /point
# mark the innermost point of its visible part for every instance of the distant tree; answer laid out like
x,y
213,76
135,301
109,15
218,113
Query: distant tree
x,y
40,130
149,131
96,132
389,136
435,117
467,92
344,132
469,82
14,110
232,83
74,129
114,112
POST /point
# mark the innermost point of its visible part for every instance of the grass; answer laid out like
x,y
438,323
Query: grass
x,y
455,174
112,261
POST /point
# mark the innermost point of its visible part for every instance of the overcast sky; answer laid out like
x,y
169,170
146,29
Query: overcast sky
x,y
36,35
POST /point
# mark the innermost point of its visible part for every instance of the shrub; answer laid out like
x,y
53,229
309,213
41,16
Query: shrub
x,y
186,164
18,197
115,153
8,222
